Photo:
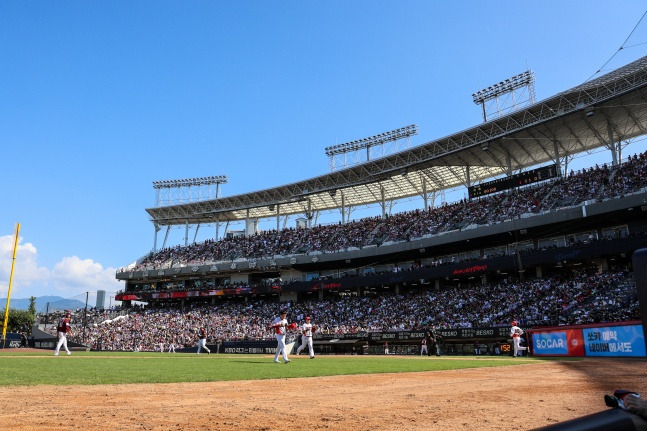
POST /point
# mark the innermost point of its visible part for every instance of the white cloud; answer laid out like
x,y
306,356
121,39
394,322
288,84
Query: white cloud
x,y
83,275
70,277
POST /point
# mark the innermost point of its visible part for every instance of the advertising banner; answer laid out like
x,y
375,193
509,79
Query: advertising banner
x,y
612,340
246,347
12,340
615,341
558,343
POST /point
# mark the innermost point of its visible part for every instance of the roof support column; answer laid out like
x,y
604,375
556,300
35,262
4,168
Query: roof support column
x,y
343,208
186,232
278,217
508,162
195,235
612,145
468,180
247,224
217,229
383,202
425,198
157,229
558,163
168,229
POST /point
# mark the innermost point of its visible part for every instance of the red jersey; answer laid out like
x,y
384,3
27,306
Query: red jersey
x,y
64,325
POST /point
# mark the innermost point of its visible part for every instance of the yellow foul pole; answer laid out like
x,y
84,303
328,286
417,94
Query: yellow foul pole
x,y
13,264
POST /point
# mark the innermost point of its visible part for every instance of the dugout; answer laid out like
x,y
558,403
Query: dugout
x,y
336,346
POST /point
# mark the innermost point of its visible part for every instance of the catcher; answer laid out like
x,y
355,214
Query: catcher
x,y
306,339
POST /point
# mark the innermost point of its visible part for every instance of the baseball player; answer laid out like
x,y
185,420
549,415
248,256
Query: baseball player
x,y
62,330
202,342
432,337
280,325
306,340
516,332
423,347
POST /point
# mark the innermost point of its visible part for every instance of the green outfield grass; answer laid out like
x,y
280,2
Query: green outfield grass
x,y
92,368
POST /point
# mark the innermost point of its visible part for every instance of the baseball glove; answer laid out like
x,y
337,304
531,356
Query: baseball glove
x,y
314,328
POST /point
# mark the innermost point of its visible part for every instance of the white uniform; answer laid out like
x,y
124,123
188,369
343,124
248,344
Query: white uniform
x,y
423,349
516,333
280,324
306,339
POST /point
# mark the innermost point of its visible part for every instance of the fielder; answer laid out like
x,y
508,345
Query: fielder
x,y
62,330
516,333
202,342
280,325
306,340
423,347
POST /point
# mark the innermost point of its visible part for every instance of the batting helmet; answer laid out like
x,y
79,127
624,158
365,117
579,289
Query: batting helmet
x,y
307,317
514,323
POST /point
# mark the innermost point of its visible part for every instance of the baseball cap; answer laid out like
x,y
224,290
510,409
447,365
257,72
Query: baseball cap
x,y
284,312
307,317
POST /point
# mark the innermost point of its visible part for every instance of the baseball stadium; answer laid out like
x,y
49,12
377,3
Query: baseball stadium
x,y
512,294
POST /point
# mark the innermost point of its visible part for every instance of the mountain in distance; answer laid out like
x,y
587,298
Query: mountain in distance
x,y
55,303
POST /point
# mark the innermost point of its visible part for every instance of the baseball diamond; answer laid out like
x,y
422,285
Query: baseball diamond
x,y
363,397
479,279
491,278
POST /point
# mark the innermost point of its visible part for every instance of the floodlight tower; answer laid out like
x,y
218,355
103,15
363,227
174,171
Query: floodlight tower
x,y
171,192
507,96
355,152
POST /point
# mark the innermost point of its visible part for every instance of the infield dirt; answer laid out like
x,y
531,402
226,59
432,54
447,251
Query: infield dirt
x,y
515,397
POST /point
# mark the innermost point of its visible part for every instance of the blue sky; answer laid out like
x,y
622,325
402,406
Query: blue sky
x,y
100,99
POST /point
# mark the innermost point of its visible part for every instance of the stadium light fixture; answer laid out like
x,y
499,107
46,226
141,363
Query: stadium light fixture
x,y
510,84
393,135
190,182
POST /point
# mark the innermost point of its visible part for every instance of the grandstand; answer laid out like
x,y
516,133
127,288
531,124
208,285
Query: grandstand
x,y
528,218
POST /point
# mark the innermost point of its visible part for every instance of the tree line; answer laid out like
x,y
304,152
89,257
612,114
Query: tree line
x,y
21,320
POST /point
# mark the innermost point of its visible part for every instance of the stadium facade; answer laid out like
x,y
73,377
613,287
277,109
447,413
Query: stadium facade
x,y
552,230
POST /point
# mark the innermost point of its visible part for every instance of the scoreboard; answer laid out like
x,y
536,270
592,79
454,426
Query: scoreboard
x,y
516,180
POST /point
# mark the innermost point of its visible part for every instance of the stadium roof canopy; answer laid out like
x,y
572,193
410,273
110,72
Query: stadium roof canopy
x,y
598,113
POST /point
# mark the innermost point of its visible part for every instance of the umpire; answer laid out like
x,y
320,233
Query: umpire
x,y
433,340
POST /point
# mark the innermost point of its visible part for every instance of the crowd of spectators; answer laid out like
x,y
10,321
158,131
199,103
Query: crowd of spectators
x,y
211,284
585,298
595,183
